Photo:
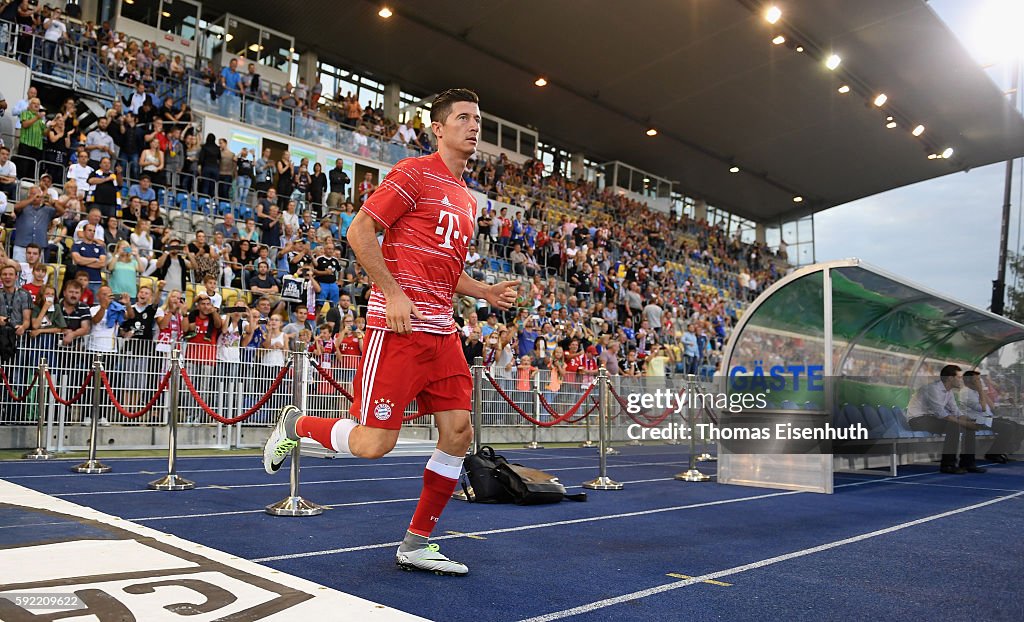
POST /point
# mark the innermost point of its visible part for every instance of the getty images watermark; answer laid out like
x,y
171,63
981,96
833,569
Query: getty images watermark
x,y
758,427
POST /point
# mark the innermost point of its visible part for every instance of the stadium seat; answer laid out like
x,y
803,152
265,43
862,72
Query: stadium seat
x,y
873,421
902,419
893,424
789,405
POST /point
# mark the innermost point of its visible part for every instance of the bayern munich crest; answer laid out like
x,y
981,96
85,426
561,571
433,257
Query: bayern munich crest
x,y
382,409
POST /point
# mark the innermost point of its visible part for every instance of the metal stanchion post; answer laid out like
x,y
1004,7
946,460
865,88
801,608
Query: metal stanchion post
x,y
92,465
586,431
172,481
533,444
293,504
602,481
635,442
477,370
693,474
40,453
478,404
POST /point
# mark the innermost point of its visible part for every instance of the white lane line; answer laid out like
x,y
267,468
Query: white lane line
x,y
337,463
333,505
209,514
586,520
608,602
253,469
960,487
575,521
335,481
212,487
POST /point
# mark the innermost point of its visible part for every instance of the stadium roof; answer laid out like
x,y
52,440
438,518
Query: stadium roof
x,y
705,74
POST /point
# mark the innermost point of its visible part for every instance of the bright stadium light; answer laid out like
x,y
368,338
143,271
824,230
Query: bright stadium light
x,y
994,34
773,14
947,153
890,125
918,130
541,82
652,132
932,156
385,12
833,61
844,89
881,99
799,48
798,199
734,169
779,40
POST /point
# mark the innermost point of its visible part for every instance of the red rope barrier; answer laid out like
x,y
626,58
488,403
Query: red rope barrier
x,y
10,390
326,375
586,414
77,396
547,406
252,411
652,422
145,409
524,415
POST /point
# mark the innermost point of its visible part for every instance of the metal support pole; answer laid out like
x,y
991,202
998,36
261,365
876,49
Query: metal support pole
x,y
692,474
602,481
40,453
172,481
478,404
606,420
293,504
586,430
533,444
477,370
706,455
92,465
635,442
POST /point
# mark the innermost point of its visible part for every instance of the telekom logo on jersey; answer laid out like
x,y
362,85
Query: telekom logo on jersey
x,y
447,225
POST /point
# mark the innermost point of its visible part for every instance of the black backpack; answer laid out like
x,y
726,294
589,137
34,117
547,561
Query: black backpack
x,y
496,480
8,343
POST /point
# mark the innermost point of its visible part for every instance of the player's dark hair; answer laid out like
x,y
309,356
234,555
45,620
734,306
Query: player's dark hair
x,y
442,106
949,370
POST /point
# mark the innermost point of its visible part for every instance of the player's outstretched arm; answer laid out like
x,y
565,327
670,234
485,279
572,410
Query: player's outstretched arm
x,y
362,238
501,295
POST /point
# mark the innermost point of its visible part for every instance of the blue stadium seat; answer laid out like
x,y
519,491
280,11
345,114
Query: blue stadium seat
x,y
894,427
223,207
853,415
876,427
902,418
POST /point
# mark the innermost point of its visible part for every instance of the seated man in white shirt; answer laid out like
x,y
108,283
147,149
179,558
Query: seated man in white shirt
x,y
977,404
933,409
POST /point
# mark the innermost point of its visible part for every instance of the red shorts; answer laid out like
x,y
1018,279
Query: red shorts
x,y
396,369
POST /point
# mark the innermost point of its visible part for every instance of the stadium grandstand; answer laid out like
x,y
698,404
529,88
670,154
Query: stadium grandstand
x,y
177,184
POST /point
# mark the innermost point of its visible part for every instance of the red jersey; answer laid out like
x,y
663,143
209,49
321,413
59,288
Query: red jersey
x,y
429,217
202,346
349,347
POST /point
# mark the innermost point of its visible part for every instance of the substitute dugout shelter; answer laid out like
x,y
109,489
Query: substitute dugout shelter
x,y
872,337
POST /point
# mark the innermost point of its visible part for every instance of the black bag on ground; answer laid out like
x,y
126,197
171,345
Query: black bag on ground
x,y
532,486
495,480
482,471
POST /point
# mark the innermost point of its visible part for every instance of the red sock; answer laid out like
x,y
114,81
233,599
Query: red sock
x,y
316,428
439,480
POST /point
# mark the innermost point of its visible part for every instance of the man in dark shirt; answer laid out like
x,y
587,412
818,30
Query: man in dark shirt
x,y
326,269
263,282
339,185
270,227
90,256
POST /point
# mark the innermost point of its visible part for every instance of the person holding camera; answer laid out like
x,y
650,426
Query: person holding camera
x,y
173,267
